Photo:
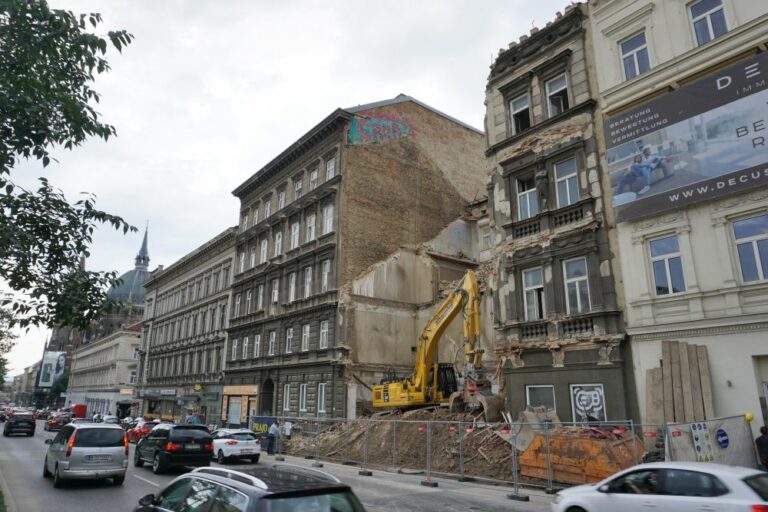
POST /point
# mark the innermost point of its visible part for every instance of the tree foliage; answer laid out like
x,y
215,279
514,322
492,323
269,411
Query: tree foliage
x,y
7,340
48,61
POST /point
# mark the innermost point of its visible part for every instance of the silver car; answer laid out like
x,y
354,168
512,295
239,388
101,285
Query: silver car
x,y
87,451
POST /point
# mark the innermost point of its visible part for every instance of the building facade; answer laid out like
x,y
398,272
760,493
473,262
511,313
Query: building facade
x,y
184,333
683,87
348,194
557,320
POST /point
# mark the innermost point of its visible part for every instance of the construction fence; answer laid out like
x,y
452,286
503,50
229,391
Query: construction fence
x,y
544,454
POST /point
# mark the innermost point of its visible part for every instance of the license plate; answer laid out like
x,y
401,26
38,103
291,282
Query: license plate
x,y
191,447
98,458
246,451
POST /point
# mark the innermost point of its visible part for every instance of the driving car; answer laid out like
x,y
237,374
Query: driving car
x,y
87,451
676,486
80,421
112,420
278,488
56,421
231,444
20,421
141,430
169,445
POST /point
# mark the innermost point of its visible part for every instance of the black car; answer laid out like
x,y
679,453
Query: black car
x,y
20,422
281,487
170,445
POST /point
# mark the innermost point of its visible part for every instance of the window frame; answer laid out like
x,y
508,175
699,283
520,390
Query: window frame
x,y
278,244
233,355
577,280
666,257
634,54
313,179
525,289
708,16
311,225
275,291
574,175
307,282
320,399
526,194
297,185
324,330
248,299
325,275
330,168
281,200
256,345
295,235
291,286
289,340
512,112
286,397
753,242
272,343
263,251
328,212
306,331
303,397
245,347
528,395
548,94
260,297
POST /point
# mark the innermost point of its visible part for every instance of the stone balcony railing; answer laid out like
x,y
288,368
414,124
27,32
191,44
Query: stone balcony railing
x,y
551,219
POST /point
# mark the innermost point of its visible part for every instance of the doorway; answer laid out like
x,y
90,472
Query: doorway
x,y
267,398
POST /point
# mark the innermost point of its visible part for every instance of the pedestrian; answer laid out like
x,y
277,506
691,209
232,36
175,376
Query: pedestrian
x,y
274,431
762,447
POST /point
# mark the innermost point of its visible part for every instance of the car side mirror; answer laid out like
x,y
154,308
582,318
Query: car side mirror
x,y
49,441
147,500
604,488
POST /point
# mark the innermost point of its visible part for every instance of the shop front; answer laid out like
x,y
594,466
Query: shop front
x,y
239,402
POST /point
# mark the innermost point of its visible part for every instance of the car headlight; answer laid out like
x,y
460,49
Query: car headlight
x,y
557,499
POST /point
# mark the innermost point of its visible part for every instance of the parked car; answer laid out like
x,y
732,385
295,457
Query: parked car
x,y
141,430
112,420
679,486
231,444
20,422
276,488
2,415
169,445
87,451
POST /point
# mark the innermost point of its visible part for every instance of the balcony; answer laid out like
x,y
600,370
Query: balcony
x,y
534,330
552,219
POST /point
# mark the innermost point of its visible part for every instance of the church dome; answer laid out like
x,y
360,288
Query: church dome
x,y
131,289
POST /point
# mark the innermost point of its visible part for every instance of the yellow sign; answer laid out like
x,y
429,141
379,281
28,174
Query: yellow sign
x,y
197,387
241,390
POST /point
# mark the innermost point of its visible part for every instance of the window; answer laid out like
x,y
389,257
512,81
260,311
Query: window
x,y
255,215
135,353
667,265
256,345
225,278
557,95
311,219
263,251
303,398
576,286
260,297
294,235
527,199
330,168
237,305
305,337
644,481
287,397
520,111
708,20
307,282
533,294
272,343
292,287
634,56
275,292
132,377
248,297
325,275
244,222
313,179
567,183
321,397
245,347
752,245
278,244
242,261
324,334
267,208
281,200
253,257
289,340
327,219
297,189
681,482
234,350
540,396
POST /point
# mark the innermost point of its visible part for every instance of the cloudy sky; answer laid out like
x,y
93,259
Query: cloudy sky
x,y
210,91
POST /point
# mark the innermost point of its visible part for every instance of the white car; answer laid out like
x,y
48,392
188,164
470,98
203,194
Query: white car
x,y
231,444
673,486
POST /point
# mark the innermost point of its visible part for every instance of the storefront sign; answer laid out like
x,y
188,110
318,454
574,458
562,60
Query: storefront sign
x,y
252,389
167,392
705,140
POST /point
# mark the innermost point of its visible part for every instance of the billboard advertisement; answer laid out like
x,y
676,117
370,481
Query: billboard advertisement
x,y
705,140
52,368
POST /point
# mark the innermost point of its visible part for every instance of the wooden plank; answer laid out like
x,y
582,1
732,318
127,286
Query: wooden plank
x,y
666,375
654,397
685,378
706,382
677,385
698,402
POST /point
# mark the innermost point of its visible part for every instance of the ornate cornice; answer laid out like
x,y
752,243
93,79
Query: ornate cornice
x,y
698,332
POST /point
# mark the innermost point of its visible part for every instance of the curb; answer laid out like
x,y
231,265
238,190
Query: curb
x,y
10,504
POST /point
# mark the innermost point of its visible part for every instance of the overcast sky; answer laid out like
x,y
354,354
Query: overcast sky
x,y
210,91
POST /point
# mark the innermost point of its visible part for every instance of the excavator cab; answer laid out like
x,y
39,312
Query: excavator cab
x,y
446,383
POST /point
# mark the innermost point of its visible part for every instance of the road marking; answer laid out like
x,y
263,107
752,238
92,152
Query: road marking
x,y
150,482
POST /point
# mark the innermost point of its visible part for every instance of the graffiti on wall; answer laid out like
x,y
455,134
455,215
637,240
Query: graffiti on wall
x,y
378,127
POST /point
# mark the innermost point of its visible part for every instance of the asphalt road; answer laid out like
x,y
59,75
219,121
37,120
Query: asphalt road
x,y
21,468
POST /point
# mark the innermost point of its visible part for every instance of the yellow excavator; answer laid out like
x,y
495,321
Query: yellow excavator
x,y
438,383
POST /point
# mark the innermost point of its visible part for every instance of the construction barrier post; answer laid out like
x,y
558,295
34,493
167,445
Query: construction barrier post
x,y
515,495
550,488
347,427
317,463
279,454
462,478
364,471
428,482
394,445
634,443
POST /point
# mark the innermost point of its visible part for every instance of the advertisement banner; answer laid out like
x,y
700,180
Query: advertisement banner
x,y
705,140
52,368
260,425
724,441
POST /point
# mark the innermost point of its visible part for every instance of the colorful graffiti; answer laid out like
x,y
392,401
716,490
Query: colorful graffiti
x,y
377,127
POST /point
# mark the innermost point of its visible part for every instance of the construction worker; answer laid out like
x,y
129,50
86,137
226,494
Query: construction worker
x,y
762,447
274,431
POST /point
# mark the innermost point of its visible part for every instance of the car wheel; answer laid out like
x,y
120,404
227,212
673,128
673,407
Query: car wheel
x,y
31,434
137,460
118,480
255,459
157,465
58,482
220,457
46,473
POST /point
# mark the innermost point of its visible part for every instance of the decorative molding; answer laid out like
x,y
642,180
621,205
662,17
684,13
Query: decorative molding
x,y
630,19
698,332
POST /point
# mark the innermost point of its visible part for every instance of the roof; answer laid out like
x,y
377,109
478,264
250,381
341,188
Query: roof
x,y
278,478
131,288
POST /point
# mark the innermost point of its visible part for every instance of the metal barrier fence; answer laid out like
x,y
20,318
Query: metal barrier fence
x,y
544,455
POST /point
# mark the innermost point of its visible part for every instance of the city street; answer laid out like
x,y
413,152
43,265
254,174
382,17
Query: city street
x,y
21,463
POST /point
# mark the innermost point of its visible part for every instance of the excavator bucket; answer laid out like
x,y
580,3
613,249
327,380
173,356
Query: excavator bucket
x,y
475,402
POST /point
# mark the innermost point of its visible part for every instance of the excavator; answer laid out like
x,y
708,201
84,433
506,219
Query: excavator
x,y
434,383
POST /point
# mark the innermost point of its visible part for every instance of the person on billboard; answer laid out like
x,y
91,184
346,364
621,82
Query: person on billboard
x,y
653,162
635,172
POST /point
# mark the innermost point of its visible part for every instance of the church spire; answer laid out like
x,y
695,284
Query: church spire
x,y
142,259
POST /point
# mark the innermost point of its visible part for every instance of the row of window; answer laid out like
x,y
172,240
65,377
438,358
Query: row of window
x,y
303,394
242,349
707,21
197,288
566,189
191,363
263,210
264,254
300,285
557,101
204,321
576,290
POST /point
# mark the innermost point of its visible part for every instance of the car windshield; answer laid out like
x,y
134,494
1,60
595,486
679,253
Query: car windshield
x,y
99,437
22,416
759,484
243,436
180,433
329,502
